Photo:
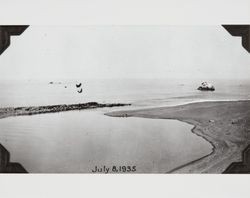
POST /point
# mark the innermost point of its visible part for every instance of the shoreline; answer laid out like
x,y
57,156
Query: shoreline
x,y
193,130
224,124
196,160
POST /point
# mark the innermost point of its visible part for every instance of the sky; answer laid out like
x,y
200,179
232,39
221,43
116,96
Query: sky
x,y
67,52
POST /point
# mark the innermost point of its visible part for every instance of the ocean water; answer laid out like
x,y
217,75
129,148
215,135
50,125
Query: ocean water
x,y
139,92
77,141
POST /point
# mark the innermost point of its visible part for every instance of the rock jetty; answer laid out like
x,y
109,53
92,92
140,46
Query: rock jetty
x,y
16,111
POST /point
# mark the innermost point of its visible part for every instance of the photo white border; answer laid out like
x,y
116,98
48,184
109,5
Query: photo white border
x,y
124,12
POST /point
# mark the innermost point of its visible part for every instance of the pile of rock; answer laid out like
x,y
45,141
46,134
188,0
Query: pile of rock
x,y
205,86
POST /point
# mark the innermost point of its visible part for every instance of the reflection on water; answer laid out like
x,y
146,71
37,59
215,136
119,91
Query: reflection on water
x,y
78,141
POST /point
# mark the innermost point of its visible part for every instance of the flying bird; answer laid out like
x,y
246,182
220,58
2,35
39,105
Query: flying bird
x,y
78,85
79,91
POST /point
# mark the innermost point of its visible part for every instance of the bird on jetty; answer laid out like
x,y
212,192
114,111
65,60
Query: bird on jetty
x,y
79,91
78,85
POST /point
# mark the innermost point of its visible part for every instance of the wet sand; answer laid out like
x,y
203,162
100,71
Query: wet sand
x,y
225,124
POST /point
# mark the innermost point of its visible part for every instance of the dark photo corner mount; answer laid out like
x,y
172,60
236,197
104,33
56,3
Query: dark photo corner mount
x,y
242,31
6,31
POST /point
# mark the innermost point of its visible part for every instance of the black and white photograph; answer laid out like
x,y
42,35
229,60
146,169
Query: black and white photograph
x,y
124,98
121,99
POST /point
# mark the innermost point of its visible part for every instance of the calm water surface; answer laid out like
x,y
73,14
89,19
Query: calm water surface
x,y
76,142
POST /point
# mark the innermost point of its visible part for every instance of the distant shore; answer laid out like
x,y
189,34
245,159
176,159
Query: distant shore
x,y
224,124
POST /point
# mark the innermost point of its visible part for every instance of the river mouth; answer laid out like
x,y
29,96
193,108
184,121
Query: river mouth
x,y
80,141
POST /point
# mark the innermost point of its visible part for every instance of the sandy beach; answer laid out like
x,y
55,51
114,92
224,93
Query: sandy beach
x,y
225,124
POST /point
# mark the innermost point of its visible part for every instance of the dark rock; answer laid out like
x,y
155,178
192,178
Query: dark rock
x,y
59,108
206,87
